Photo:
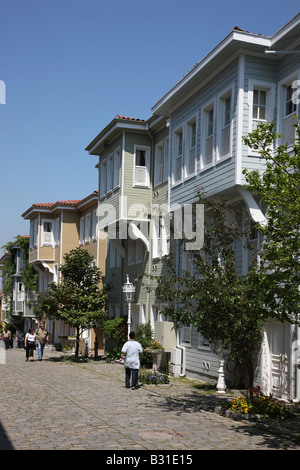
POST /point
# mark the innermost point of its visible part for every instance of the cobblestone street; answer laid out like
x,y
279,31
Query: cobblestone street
x,y
56,404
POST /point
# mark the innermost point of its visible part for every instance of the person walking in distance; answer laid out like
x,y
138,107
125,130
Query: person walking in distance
x,y
30,344
6,337
131,351
42,337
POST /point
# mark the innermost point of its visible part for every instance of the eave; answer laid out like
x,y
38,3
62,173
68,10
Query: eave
x,y
224,53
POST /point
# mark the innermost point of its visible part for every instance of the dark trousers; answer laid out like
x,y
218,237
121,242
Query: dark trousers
x,y
29,349
134,377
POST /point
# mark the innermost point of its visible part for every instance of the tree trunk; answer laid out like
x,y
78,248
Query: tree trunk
x,y
77,343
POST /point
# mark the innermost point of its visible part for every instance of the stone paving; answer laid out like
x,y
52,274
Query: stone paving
x,y
62,405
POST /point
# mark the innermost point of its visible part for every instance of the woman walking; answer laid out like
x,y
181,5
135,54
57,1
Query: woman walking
x,y
30,344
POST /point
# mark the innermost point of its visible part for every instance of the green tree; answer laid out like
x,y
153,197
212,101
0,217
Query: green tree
x,y
77,299
226,309
278,187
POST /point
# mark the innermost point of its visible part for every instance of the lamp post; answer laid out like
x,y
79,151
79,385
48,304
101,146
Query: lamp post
x,y
128,291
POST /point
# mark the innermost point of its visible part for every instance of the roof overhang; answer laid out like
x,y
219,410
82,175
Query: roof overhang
x,y
219,58
112,130
236,43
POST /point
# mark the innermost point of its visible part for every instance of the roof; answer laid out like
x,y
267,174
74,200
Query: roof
x,y
52,205
60,203
226,51
118,124
128,118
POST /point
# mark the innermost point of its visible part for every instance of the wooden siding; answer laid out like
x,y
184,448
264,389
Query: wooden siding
x,y
222,175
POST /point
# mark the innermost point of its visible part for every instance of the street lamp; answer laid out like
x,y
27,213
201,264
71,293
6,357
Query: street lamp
x,y
128,291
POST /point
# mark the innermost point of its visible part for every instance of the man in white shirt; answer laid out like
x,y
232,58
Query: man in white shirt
x,y
131,350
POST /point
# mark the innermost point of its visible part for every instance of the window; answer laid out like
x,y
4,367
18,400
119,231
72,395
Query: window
x,y
87,227
161,166
290,104
160,235
166,159
259,104
114,310
186,335
47,232
187,262
289,110
81,229
178,156
103,178
158,164
190,163
202,342
135,251
56,231
261,95
94,234
153,316
142,166
114,255
109,174
224,132
208,132
117,163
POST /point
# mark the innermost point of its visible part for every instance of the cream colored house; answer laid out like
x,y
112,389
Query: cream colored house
x,y
55,229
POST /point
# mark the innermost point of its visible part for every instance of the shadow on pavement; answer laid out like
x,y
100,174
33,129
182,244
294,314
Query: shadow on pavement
x,y
5,443
278,434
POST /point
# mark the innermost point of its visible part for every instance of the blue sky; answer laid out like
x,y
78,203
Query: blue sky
x,y
70,66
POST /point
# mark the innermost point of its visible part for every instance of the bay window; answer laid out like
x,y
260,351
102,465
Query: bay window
x,y
142,166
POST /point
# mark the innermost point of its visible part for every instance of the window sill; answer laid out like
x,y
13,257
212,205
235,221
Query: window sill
x,y
223,159
207,167
190,176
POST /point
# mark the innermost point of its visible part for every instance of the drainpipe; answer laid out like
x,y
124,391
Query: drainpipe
x,y
179,346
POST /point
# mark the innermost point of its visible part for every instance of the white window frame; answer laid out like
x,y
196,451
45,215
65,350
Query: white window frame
x,y
135,251
87,227
158,163
81,230
153,315
166,158
103,170
208,135
138,168
50,240
203,343
178,149
109,173
95,221
31,236
283,118
223,127
116,171
191,147
56,231
186,335
270,89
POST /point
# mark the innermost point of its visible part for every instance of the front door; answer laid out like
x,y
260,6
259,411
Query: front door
x,y
279,342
